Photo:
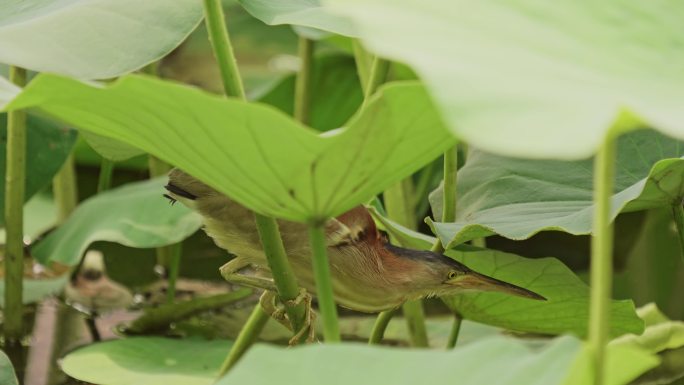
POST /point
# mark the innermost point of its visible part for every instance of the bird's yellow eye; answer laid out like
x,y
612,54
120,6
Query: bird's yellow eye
x,y
452,275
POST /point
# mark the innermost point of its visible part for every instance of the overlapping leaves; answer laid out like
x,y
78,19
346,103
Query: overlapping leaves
x,y
565,311
196,362
517,198
532,78
253,153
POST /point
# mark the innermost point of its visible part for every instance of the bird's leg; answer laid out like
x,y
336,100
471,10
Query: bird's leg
x,y
269,302
229,271
269,299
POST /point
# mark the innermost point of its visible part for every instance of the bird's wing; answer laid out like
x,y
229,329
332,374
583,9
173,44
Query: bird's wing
x,y
232,225
356,225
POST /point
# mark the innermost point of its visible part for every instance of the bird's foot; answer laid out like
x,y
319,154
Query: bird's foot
x,y
273,306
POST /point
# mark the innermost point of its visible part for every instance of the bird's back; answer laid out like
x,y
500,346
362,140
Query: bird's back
x,y
352,250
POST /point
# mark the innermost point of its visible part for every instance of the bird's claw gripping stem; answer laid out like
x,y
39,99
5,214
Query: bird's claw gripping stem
x,y
269,302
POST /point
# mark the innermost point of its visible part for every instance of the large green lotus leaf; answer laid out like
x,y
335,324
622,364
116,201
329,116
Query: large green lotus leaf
x,y
93,39
7,376
47,146
533,78
134,215
307,13
255,154
565,311
335,91
148,360
153,360
517,198
502,361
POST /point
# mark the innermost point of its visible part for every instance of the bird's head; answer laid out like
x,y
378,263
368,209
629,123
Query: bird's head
x,y
434,274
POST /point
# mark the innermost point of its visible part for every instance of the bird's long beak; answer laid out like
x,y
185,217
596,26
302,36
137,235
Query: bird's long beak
x,y
475,281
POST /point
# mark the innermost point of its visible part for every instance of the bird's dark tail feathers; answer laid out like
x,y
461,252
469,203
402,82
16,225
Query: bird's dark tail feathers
x,y
180,192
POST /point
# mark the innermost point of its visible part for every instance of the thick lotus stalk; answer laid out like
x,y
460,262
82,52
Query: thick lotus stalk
x,y
15,179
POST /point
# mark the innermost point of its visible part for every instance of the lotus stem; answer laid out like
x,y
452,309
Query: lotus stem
x,y
15,179
223,50
248,334
302,100
104,181
601,257
321,267
378,332
455,331
271,240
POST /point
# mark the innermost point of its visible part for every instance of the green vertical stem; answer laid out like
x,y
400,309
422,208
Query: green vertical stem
x,y
248,335
269,233
283,275
377,77
601,257
448,192
380,325
678,214
455,331
415,320
15,180
364,61
64,189
398,203
321,267
302,99
449,215
223,50
271,240
104,181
